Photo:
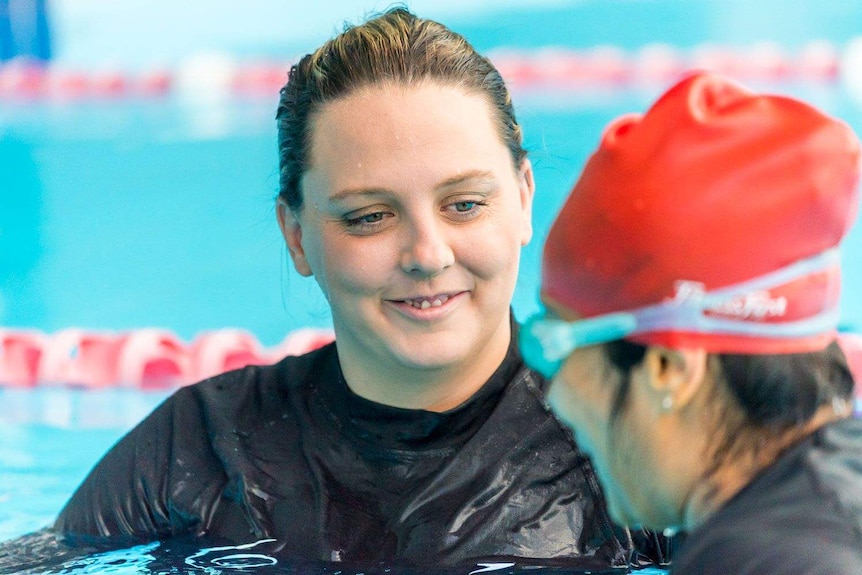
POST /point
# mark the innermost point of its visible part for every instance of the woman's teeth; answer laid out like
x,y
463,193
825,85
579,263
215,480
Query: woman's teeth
x,y
427,303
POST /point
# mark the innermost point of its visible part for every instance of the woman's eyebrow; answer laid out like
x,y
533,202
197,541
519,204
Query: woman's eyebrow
x,y
474,177
471,177
348,193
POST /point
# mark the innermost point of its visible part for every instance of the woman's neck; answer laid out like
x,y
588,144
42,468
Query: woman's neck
x,y
438,389
710,494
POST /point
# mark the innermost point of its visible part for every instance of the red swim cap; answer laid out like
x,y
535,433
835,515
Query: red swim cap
x,y
714,186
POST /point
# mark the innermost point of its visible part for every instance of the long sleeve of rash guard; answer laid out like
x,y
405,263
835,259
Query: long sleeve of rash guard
x,y
145,485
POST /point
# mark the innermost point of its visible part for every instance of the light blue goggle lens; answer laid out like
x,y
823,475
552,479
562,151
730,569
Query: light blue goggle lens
x,y
545,342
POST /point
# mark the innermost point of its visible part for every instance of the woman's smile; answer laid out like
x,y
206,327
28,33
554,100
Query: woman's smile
x,y
428,308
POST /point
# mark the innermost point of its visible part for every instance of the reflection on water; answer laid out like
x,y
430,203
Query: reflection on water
x,y
41,553
212,559
121,562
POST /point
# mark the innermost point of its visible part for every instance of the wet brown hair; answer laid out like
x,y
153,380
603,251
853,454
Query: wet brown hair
x,y
394,47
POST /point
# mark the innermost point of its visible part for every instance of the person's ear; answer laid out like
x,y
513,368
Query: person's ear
x,y
291,229
675,375
527,188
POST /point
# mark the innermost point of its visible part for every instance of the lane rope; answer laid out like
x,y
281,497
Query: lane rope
x,y
150,358
219,75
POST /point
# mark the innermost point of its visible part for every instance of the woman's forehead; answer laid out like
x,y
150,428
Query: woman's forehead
x,y
426,133
396,108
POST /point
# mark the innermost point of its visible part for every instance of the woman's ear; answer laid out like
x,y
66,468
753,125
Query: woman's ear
x,y
527,188
291,229
675,375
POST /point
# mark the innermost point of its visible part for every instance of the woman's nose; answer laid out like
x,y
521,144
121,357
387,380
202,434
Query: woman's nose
x,y
427,250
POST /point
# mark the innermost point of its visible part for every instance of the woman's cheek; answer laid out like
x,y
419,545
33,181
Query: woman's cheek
x,y
349,262
563,401
565,404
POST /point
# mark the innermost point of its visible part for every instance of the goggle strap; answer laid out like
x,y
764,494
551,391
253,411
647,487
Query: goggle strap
x,y
558,337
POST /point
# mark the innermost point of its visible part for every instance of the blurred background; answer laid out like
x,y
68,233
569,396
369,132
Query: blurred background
x,y
137,139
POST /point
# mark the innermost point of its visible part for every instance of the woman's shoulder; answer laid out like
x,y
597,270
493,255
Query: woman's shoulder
x,y
256,387
759,548
835,465
810,499
289,371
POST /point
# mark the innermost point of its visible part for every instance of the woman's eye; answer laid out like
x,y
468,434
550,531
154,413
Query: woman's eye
x,y
369,218
465,209
366,222
464,206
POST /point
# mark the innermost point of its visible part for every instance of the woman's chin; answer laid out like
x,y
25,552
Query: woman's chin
x,y
621,513
633,519
431,359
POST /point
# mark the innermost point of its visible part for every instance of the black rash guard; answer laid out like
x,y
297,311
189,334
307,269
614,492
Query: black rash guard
x,y
801,515
289,452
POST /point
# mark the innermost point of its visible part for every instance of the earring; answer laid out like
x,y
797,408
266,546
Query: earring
x,y
667,403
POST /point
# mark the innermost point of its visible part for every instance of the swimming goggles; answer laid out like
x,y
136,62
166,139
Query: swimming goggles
x,y
546,341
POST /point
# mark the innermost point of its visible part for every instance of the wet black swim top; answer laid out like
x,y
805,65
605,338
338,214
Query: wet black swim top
x,y
802,514
289,452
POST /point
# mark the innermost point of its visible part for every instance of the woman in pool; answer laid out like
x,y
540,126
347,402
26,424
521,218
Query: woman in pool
x,y
691,284
419,435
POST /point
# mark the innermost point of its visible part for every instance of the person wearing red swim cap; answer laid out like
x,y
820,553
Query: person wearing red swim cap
x,y
691,286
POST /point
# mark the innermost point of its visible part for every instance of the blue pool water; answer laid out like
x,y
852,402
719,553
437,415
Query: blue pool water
x,y
49,439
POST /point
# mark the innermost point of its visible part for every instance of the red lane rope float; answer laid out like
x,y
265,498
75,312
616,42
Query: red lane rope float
x,y
156,358
549,67
661,64
26,81
148,358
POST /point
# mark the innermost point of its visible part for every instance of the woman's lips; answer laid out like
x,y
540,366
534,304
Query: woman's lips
x,y
427,307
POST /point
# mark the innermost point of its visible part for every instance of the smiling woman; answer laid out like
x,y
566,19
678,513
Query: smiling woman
x,y
414,240
419,436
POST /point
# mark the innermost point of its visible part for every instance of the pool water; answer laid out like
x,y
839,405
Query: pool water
x,y
49,440
184,557
50,437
